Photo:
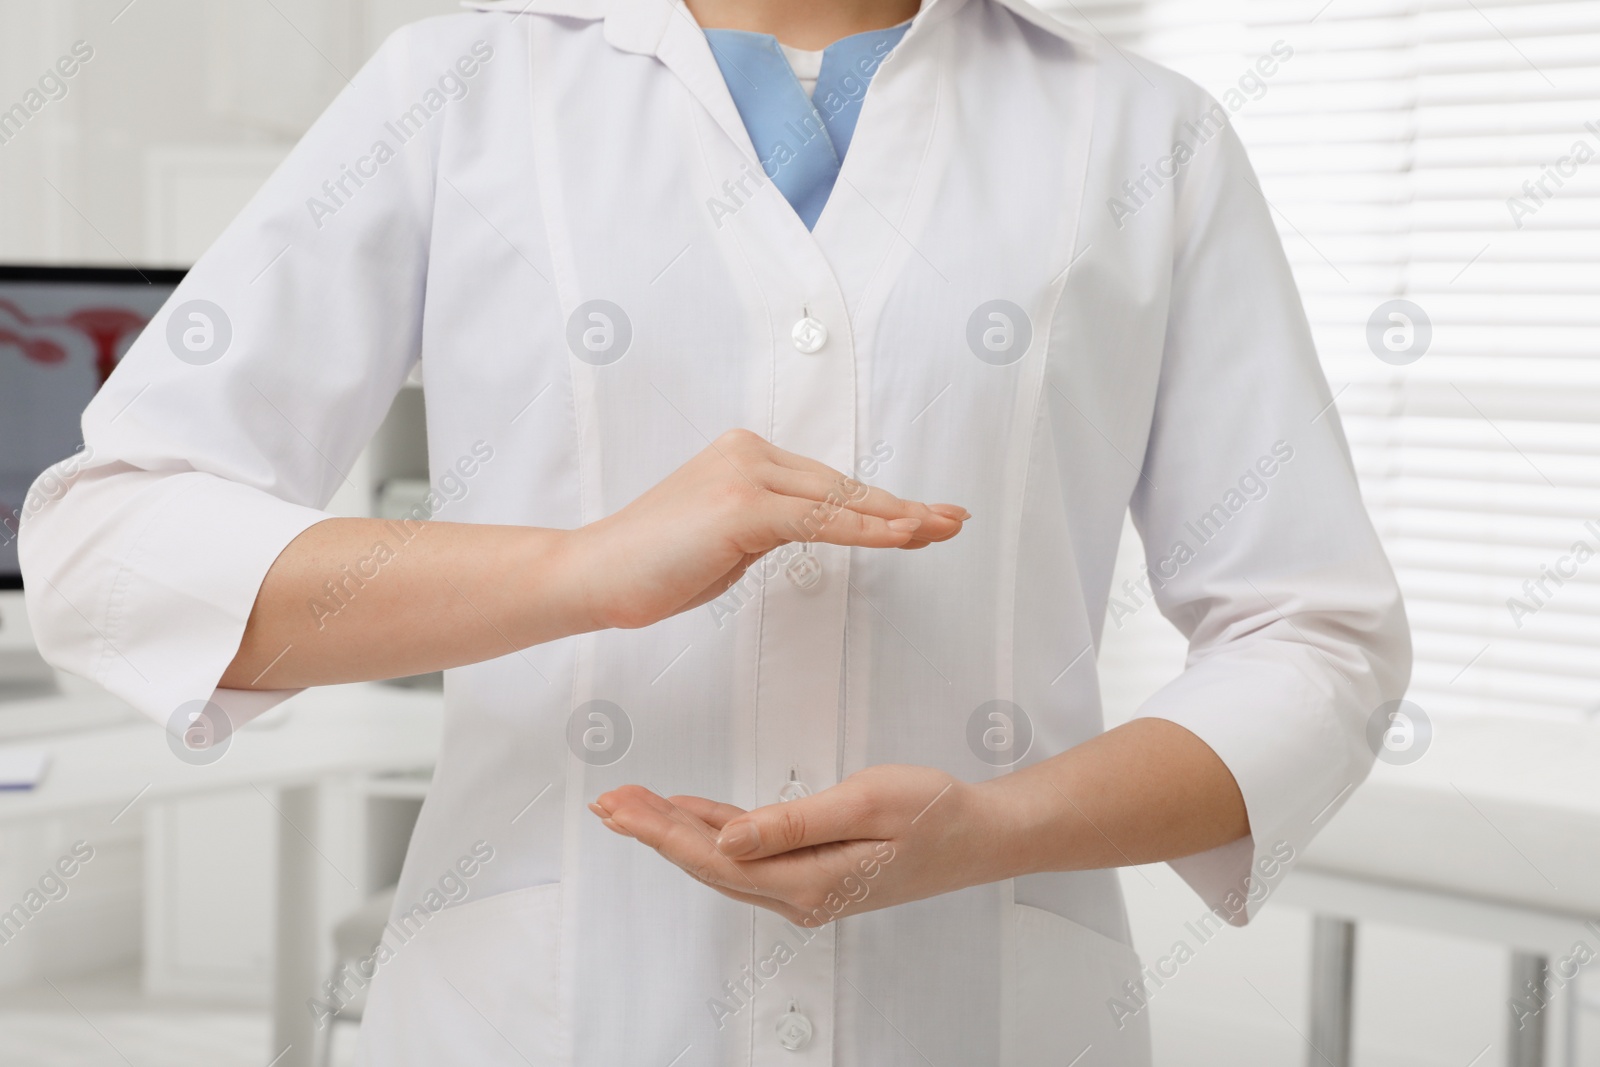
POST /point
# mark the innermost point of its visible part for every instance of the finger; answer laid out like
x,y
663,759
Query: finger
x,y
788,518
607,821
754,449
610,800
711,812
778,883
679,836
796,462
835,490
841,813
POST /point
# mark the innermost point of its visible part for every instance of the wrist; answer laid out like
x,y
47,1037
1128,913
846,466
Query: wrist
x,y
556,575
1012,824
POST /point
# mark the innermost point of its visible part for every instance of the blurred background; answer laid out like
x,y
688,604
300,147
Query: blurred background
x,y
1431,166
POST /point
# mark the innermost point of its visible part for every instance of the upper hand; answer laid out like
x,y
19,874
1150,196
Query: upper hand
x,y
885,835
690,537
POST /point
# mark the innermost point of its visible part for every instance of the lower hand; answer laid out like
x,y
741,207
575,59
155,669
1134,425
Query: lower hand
x,y
884,836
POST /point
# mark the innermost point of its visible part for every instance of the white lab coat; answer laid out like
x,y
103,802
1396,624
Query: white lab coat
x,y
1163,363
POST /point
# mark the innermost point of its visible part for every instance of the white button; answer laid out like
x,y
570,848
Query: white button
x,y
794,1030
803,568
794,788
809,335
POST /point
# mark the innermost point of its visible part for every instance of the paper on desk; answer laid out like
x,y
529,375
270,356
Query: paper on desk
x,y
22,768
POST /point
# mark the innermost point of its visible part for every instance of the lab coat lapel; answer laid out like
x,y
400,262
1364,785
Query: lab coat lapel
x,y
661,28
665,29
871,225
865,220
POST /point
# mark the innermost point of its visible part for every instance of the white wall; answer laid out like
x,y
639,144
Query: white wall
x,y
181,112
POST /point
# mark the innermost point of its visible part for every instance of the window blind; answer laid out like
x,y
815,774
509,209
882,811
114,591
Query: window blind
x,y
1445,153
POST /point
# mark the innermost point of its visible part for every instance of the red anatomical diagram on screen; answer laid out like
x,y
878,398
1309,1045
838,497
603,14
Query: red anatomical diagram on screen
x,y
104,327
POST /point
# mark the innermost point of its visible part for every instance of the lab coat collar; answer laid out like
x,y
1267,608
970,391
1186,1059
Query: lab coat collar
x,y
666,30
640,25
631,25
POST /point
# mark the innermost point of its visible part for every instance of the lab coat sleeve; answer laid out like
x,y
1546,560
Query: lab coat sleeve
x,y
1257,544
142,555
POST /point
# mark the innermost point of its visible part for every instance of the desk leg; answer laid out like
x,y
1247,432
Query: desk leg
x,y
1525,1038
295,961
1333,958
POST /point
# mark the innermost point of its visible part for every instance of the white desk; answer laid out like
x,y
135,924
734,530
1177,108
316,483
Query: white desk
x,y
329,732
1490,835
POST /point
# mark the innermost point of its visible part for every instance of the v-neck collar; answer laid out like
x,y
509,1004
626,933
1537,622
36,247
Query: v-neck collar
x,y
800,138
684,49
792,143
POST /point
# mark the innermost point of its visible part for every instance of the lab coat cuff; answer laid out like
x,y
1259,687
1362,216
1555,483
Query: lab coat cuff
x,y
1276,726
183,592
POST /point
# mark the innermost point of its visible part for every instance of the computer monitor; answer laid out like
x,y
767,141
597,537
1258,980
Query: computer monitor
x,y
62,330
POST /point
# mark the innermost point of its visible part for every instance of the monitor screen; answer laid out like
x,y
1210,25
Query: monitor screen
x,y
62,330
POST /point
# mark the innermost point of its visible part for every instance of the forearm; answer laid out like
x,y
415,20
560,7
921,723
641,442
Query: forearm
x,y
359,599
356,600
1145,792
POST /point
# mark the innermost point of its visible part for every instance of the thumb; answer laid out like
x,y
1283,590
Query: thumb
x,y
834,814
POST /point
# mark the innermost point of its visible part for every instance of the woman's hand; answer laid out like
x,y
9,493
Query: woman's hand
x,y
884,836
1146,791
690,537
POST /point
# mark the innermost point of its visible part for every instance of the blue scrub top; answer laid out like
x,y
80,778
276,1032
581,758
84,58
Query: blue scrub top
x,y
801,141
